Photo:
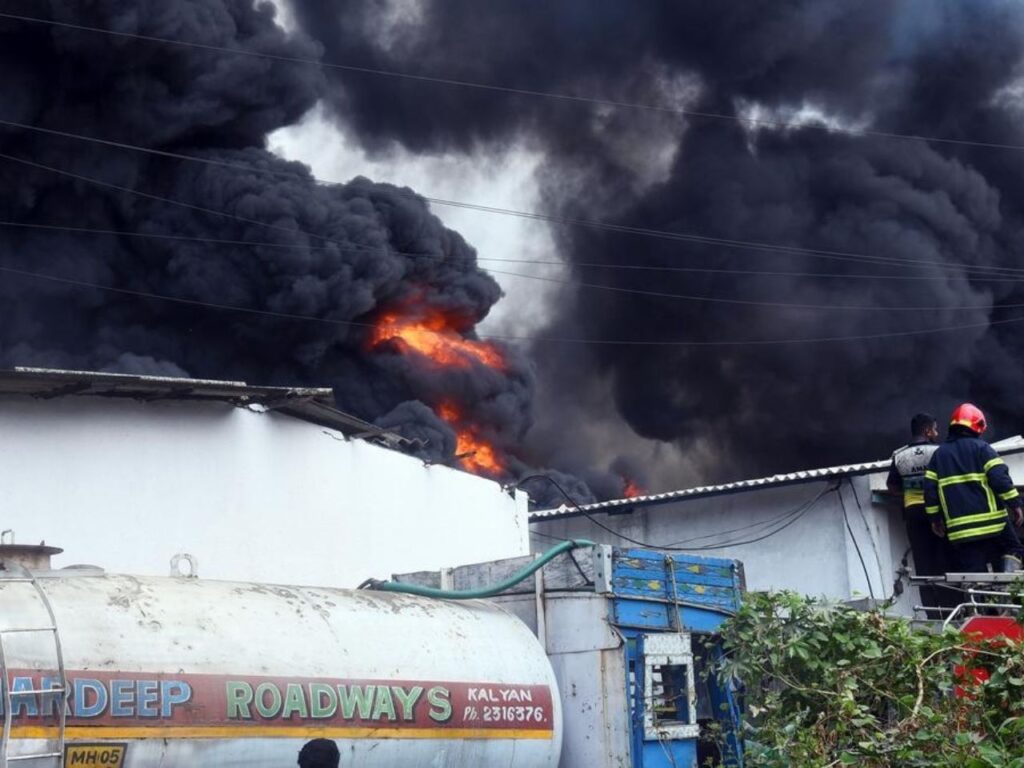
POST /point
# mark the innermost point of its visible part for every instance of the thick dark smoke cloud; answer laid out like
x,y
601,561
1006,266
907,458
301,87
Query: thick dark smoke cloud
x,y
935,68
339,253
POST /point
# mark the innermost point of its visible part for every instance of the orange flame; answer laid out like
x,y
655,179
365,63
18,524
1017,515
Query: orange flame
x,y
434,336
473,452
630,490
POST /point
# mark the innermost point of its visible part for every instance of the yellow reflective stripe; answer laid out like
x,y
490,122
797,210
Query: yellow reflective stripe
x,y
1013,493
930,475
973,477
981,517
913,497
932,510
992,463
970,533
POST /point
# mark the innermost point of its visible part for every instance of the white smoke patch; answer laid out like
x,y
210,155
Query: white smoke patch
x,y
756,117
504,179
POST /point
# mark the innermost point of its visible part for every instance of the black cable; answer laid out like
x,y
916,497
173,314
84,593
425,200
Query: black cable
x,y
763,523
293,231
587,581
537,262
864,518
494,337
650,545
659,108
500,337
548,218
548,536
856,546
771,533
337,246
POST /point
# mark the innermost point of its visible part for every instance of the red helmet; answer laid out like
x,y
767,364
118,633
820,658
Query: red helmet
x,y
970,416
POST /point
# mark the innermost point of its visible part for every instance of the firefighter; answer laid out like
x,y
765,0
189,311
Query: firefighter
x,y
970,485
906,478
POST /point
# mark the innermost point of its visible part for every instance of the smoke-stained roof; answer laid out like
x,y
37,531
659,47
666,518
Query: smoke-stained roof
x,y
1013,444
313,404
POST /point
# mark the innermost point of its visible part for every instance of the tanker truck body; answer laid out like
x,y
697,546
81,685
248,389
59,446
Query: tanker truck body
x,y
631,634
187,672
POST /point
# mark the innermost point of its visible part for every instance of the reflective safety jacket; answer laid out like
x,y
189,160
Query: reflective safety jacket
x,y
968,482
908,467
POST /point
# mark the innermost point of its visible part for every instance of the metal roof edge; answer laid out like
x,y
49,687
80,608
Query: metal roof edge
x,y
685,494
1006,446
310,404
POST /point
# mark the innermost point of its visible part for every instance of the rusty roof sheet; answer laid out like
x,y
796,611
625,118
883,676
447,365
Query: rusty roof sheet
x,y
313,404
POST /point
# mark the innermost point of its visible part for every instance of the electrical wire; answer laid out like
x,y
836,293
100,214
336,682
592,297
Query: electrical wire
x,y
743,528
856,546
871,539
640,543
554,219
605,102
505,337
539,262
619,289
754,302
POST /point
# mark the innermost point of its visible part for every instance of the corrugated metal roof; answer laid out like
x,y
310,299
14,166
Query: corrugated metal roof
x,y
1010,445
313,404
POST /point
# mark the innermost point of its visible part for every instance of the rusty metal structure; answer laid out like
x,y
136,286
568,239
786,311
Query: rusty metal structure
x,y
630,634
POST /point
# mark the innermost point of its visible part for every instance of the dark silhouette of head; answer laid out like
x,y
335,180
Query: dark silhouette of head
x,y
924,425
319,753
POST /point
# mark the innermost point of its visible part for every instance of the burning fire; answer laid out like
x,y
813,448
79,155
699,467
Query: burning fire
x,y
473,452
630,490
434,336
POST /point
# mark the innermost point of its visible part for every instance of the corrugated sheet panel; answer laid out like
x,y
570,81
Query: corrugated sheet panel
x,y
1013,444
711,490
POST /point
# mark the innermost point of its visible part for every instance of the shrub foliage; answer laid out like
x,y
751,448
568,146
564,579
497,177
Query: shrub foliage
x,y
826,685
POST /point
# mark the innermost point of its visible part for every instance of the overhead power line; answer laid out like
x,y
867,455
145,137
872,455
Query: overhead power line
x,y
489,259
501,337
549,218
510,90
617,289
538,262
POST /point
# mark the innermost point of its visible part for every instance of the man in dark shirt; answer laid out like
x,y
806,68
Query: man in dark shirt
x,y
319,753
906,478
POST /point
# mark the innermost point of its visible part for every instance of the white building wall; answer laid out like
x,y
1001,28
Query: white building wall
x,y
815,555
254,496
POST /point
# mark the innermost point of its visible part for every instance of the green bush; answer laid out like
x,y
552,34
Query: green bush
x,y
826,685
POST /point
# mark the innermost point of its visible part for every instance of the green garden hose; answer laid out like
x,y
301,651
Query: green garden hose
x,y
476,594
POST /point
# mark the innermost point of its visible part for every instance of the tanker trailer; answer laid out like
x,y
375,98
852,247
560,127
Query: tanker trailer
x,y
187,672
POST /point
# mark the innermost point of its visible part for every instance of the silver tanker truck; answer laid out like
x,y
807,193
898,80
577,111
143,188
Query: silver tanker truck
x,y
180,672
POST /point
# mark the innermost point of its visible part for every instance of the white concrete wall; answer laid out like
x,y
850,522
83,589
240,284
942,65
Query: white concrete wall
x,y
815,555
254,496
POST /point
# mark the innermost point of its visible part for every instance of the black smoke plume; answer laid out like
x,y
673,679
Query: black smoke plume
x,y
950,209
347,253
341,253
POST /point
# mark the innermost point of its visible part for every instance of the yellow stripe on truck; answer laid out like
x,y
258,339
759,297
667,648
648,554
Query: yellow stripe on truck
x,y
272,732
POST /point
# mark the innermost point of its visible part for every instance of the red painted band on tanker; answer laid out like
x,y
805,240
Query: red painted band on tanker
x,y
125,699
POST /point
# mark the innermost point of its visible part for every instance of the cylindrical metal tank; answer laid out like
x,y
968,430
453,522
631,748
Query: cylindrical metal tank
x,y
185,672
